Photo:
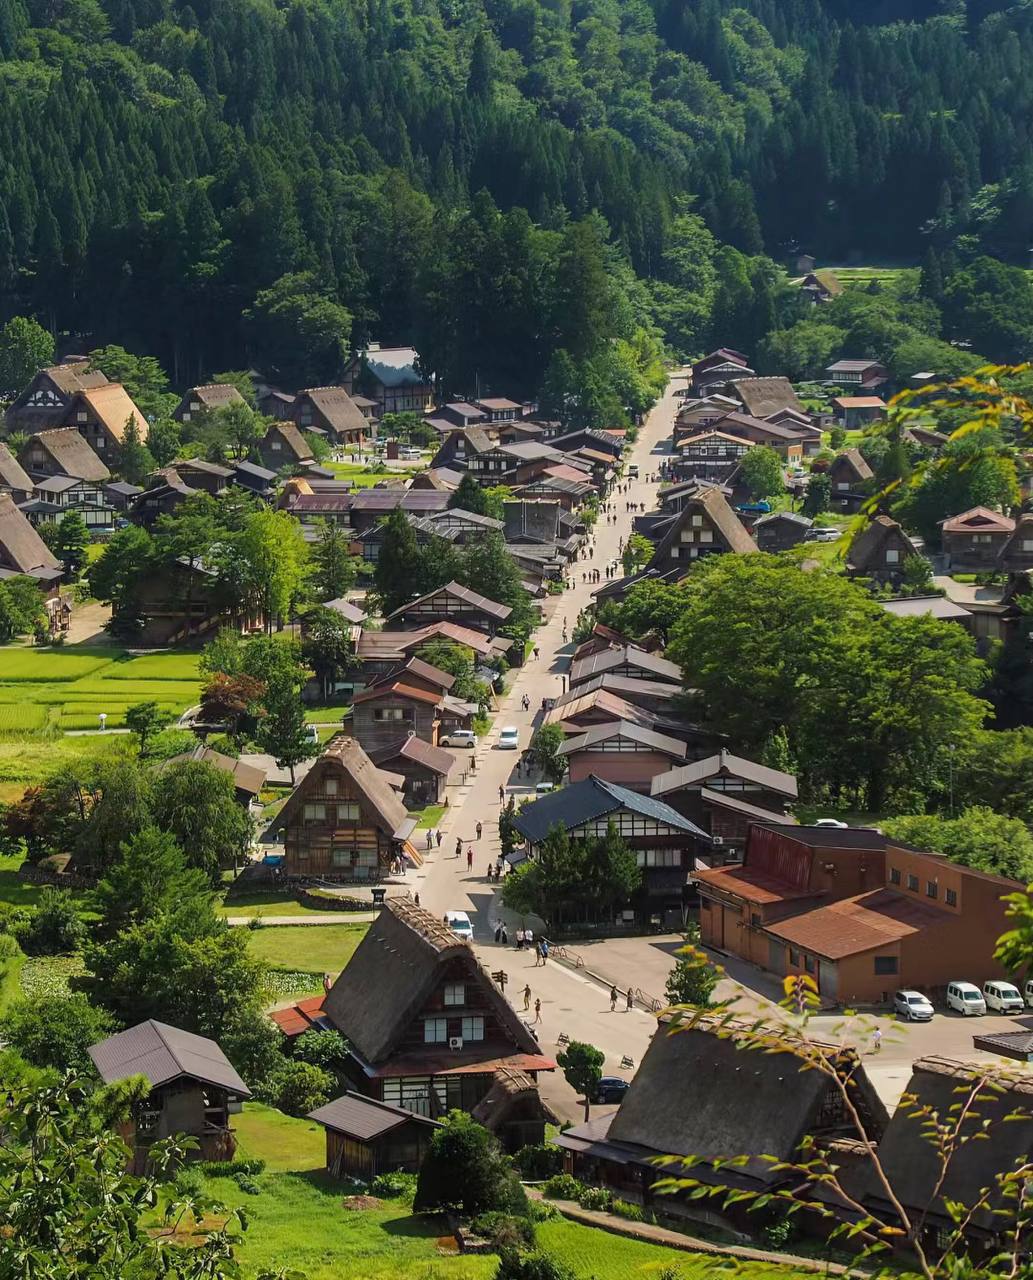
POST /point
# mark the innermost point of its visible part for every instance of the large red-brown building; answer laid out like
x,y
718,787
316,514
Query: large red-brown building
x,y
860,916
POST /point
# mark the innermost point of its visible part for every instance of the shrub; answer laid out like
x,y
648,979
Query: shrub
x,y
504,1231
531,1266
246,1183
466,1170
542,1211
777,1234
53,928
564,1186
537,1163
394,1186
189,1183
626,1209
227,1168
298,1088
597,1198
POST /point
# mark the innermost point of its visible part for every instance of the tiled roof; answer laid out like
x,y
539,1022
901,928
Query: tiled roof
x,y
858,924
580,802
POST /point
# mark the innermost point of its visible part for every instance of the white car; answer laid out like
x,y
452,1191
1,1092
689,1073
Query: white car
x,y
965,998
459,738
832,822
1002,997
912,1006
410,454
459,923
509,738
822,535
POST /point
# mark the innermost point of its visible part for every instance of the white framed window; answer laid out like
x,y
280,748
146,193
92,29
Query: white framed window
x,y
82,416
276,445
315,812
435,1030
348,811
473,1028
194,405
455,993
892,557
843,485
390,713
697,522
330,786
1027,544
186,417
706,535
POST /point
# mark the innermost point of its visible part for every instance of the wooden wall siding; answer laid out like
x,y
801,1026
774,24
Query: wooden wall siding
x,y
373,733
476,1003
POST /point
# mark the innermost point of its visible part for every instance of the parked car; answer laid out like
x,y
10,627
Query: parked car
x,y
1027,991
821,535
543,788
965,998
610,1089
913,1006
831,822
754,508
459,738
633,471
1002,997
509,738
410,454
459,923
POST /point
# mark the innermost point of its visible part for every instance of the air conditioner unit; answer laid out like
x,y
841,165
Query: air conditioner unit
x,y
717,841
455,1042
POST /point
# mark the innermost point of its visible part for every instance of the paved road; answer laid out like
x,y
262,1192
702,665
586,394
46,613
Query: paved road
x,y
571,1002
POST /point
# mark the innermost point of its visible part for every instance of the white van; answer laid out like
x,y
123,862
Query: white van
x,y
1002,997
459,923
1027,991
965,998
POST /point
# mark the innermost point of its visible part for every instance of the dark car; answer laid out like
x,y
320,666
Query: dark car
x,y
610,1089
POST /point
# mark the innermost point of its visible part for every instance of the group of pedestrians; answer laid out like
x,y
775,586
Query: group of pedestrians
x,y
527,1004
630,1000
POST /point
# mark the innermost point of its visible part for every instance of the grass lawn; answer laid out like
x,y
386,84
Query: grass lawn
x,y
269,904
284,1143
16,892
27,760
324,948
10,980
332,714
430,816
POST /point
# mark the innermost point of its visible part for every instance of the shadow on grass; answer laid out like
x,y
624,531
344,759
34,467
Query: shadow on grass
x,y
420,1226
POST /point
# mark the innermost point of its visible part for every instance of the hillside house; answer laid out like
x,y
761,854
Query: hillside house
x,y
369,506
44,403
712,1097
343,821
780,530
194,1089
23,552
451,603
706,525
283,445
61,452
198,401
387,711
427,1028
820,286
975,540
102,415
855,412
621,751
333,411
498,409
848,474
880,551
665,843
14,479
787,442
864,375
389,376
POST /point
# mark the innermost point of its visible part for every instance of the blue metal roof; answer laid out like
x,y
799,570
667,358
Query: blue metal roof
x,y
573,806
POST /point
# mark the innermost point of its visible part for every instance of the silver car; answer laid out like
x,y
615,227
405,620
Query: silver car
x,y
912,1006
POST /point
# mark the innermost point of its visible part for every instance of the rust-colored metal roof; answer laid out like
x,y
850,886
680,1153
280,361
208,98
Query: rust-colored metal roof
x,y
754,886
858,924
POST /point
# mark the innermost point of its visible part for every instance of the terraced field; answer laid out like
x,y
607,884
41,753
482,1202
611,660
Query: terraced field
x,y
55,690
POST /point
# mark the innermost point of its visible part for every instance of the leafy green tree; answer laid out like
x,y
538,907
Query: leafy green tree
x,y
25,347
469,496
582,1067
239,378
284,733
73,537
146,719
130,557
334,568
119,805
325,1049
298,331
544,752
135,462
818,494
149,876
694,976
196,804
268,561
105,1227
327,647
487,567
397,578
142,376
977,838
56,1031
637,552
298,1087
466,1170
53,927
761,470
997,772
973,471
21,609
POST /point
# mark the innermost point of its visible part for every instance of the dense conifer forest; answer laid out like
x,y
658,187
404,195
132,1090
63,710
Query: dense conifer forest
x,y
202,180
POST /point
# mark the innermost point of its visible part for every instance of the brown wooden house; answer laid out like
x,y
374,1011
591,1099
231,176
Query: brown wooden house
x,y
880,552
424,766
390,710
283,445
781,530
786,441
706,525
1017,553
23,552
198,401
975,540
194,1089
427,1028
626,660
451,603
101,416
343,821
623,752
14,479
711,455
332,410
365,1138
62,452
44,402
848,474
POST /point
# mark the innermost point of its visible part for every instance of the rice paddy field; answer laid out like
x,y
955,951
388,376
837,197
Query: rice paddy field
x,y
52,691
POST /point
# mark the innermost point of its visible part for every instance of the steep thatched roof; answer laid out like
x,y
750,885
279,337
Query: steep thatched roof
x,y
712,503
510,1089
764,396
21,548
868,545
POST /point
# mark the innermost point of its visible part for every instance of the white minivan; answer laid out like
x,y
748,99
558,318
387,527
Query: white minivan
x,y
965,998
459,923
1002,997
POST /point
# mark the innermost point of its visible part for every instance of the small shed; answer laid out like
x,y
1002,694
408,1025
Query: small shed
x,y
365,1138
514,1111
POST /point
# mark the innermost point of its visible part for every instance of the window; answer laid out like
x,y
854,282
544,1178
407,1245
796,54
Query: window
x,y
808,963
794,957
315,812
435,1030
186,417
912,883
697,522
455,993
658,857
473,1028
931,891
348,812
391,713
330,786
843,485
342,857
894,875
892,557
81,416
755,920
885,964
706,536
951,898
195,405
276,445
1027,544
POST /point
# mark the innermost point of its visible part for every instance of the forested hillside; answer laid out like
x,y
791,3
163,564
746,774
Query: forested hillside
x,y
191,180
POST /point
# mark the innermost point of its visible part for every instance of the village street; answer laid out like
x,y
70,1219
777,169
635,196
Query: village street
x,y
572,1003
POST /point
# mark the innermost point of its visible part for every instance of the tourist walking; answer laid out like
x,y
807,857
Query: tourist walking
x,y
538,1011
630,1003
469,858
613,995
527,998
479,830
